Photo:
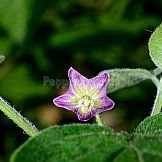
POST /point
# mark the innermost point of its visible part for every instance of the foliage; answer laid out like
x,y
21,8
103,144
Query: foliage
x,y
122,78
41,38
92,143
155,47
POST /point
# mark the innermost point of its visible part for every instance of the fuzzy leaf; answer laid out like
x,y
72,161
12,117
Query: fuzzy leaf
x,y
92,143
151,125
155,47
146,142
73,143
121,78
148,139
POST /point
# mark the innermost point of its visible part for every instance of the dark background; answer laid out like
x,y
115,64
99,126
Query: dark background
x,y
45,37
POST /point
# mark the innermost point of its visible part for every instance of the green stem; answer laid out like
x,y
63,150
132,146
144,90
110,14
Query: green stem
x,y
17,118
156,71
155,80
98,120
158,100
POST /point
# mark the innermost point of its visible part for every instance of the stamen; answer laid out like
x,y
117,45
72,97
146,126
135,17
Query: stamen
x,y
85,104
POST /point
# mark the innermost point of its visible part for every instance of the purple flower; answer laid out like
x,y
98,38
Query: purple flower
x,y
85,97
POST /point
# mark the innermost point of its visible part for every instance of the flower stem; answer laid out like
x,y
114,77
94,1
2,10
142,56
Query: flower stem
x,y
158,100
17,118
98,120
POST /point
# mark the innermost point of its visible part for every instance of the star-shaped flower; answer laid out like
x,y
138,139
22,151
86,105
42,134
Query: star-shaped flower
x,y
85,97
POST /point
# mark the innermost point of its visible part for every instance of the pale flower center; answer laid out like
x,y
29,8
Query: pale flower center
x,y
85,104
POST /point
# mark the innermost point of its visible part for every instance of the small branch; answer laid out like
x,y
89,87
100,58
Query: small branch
x,y
155,80
17,118
158,100
156,71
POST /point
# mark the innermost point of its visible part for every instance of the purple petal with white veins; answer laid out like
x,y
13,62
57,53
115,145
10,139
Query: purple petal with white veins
x,y
77,81
106,104
84,117
64,101
100,83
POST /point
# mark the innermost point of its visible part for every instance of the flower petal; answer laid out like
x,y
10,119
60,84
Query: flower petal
x,y
84,116
77,82
97,85
106,104
64,101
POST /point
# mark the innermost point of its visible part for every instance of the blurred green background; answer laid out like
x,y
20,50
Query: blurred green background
x,y
45,37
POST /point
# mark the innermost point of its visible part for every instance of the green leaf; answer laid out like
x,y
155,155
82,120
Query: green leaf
x,y
121,78
148,139
14,17
155,47
73,143
151,125
127,154
92,143
5,46
19,84
145,144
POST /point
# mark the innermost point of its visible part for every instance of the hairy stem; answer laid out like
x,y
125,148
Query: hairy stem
x,y
156,71
158,100
155,80
98,120
17,118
